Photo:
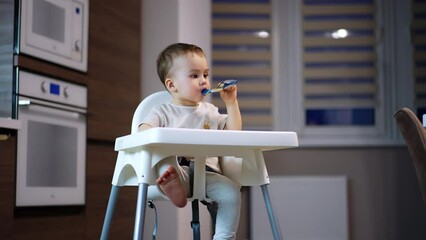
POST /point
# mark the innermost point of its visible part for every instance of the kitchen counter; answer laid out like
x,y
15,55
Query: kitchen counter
x,y
10,123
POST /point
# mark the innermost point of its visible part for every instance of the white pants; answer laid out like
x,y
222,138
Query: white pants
x,y
219,188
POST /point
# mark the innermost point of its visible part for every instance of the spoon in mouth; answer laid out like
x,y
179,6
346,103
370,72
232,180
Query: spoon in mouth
x,y
221,86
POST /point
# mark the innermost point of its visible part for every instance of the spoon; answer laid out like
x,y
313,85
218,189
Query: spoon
x,y
222,85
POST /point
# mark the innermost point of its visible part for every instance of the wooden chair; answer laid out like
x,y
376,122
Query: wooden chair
x,y
415,138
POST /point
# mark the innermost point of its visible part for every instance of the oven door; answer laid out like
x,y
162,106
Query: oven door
x,y
46,25
51,155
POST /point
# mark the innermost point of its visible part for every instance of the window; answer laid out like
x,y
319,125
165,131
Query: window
x,y
339,63
343,68
334,71
419,46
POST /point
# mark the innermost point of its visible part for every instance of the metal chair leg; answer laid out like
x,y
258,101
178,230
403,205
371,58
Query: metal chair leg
x,y
110,211
195,224
140,211
276,231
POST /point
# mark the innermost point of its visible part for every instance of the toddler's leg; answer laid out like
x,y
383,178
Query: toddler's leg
x,y
227,194
172,181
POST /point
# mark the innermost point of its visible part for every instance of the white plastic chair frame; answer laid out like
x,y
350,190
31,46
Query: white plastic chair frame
x,y
135,162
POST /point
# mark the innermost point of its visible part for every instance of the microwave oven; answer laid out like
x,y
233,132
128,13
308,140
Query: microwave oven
x,y
55,31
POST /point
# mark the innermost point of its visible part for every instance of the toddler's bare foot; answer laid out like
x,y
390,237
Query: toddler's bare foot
x,y
171,185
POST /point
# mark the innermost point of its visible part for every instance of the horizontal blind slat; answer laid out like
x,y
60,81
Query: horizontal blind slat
x,y
343,73
339,89
235,39
419,40
420,72
316,41
421,88
419,24
239,55
242,72
241,24
257,120
254,87
343,56
420,55
248,104
419,8
343,10
324,104
338,25
240,8
419,102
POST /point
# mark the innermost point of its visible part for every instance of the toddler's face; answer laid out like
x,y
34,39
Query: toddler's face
x,y
190,75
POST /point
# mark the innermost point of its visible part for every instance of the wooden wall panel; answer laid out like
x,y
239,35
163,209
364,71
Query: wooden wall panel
x,y
7,184
100,168
113,84
114,67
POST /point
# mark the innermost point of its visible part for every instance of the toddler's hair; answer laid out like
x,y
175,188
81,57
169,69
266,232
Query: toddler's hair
x,y
166,57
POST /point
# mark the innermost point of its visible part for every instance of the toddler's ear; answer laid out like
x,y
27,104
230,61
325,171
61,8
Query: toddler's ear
x,y
170,85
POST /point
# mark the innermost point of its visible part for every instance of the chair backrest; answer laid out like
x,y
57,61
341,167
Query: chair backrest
x,y
415,138
146,105
230,166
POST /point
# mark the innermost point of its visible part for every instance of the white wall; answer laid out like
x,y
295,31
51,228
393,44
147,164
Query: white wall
x,y
159,29
306,207
165,22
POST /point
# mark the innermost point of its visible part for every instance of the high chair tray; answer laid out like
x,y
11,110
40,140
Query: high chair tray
x,y
200,138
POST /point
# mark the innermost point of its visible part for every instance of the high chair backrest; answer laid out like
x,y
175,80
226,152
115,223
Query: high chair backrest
x,y
146,105
231,166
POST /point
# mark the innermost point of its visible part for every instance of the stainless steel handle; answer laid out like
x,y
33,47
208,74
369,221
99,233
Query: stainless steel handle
x,y
25,102
4,137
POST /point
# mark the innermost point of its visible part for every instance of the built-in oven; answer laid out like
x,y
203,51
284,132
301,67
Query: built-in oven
x,y
51,154
56,31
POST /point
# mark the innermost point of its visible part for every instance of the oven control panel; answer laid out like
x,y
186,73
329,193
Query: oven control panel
x,y
55,90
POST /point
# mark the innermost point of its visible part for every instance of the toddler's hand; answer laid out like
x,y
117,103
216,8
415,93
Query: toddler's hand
x,y
229,95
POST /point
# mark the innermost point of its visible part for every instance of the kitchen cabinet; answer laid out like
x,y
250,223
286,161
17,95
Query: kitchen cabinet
x,y
113,90
7,182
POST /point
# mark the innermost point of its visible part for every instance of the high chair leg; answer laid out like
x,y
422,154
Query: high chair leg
x,y
110,211
195,224
272,219
140,211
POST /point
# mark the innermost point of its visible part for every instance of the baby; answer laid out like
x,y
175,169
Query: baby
x,y
184,71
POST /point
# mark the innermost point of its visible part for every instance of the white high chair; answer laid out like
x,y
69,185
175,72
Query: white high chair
x,y
139,152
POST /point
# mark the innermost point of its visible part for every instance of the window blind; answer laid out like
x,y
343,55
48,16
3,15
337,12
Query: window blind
x,y
339,62
241,45
419,46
